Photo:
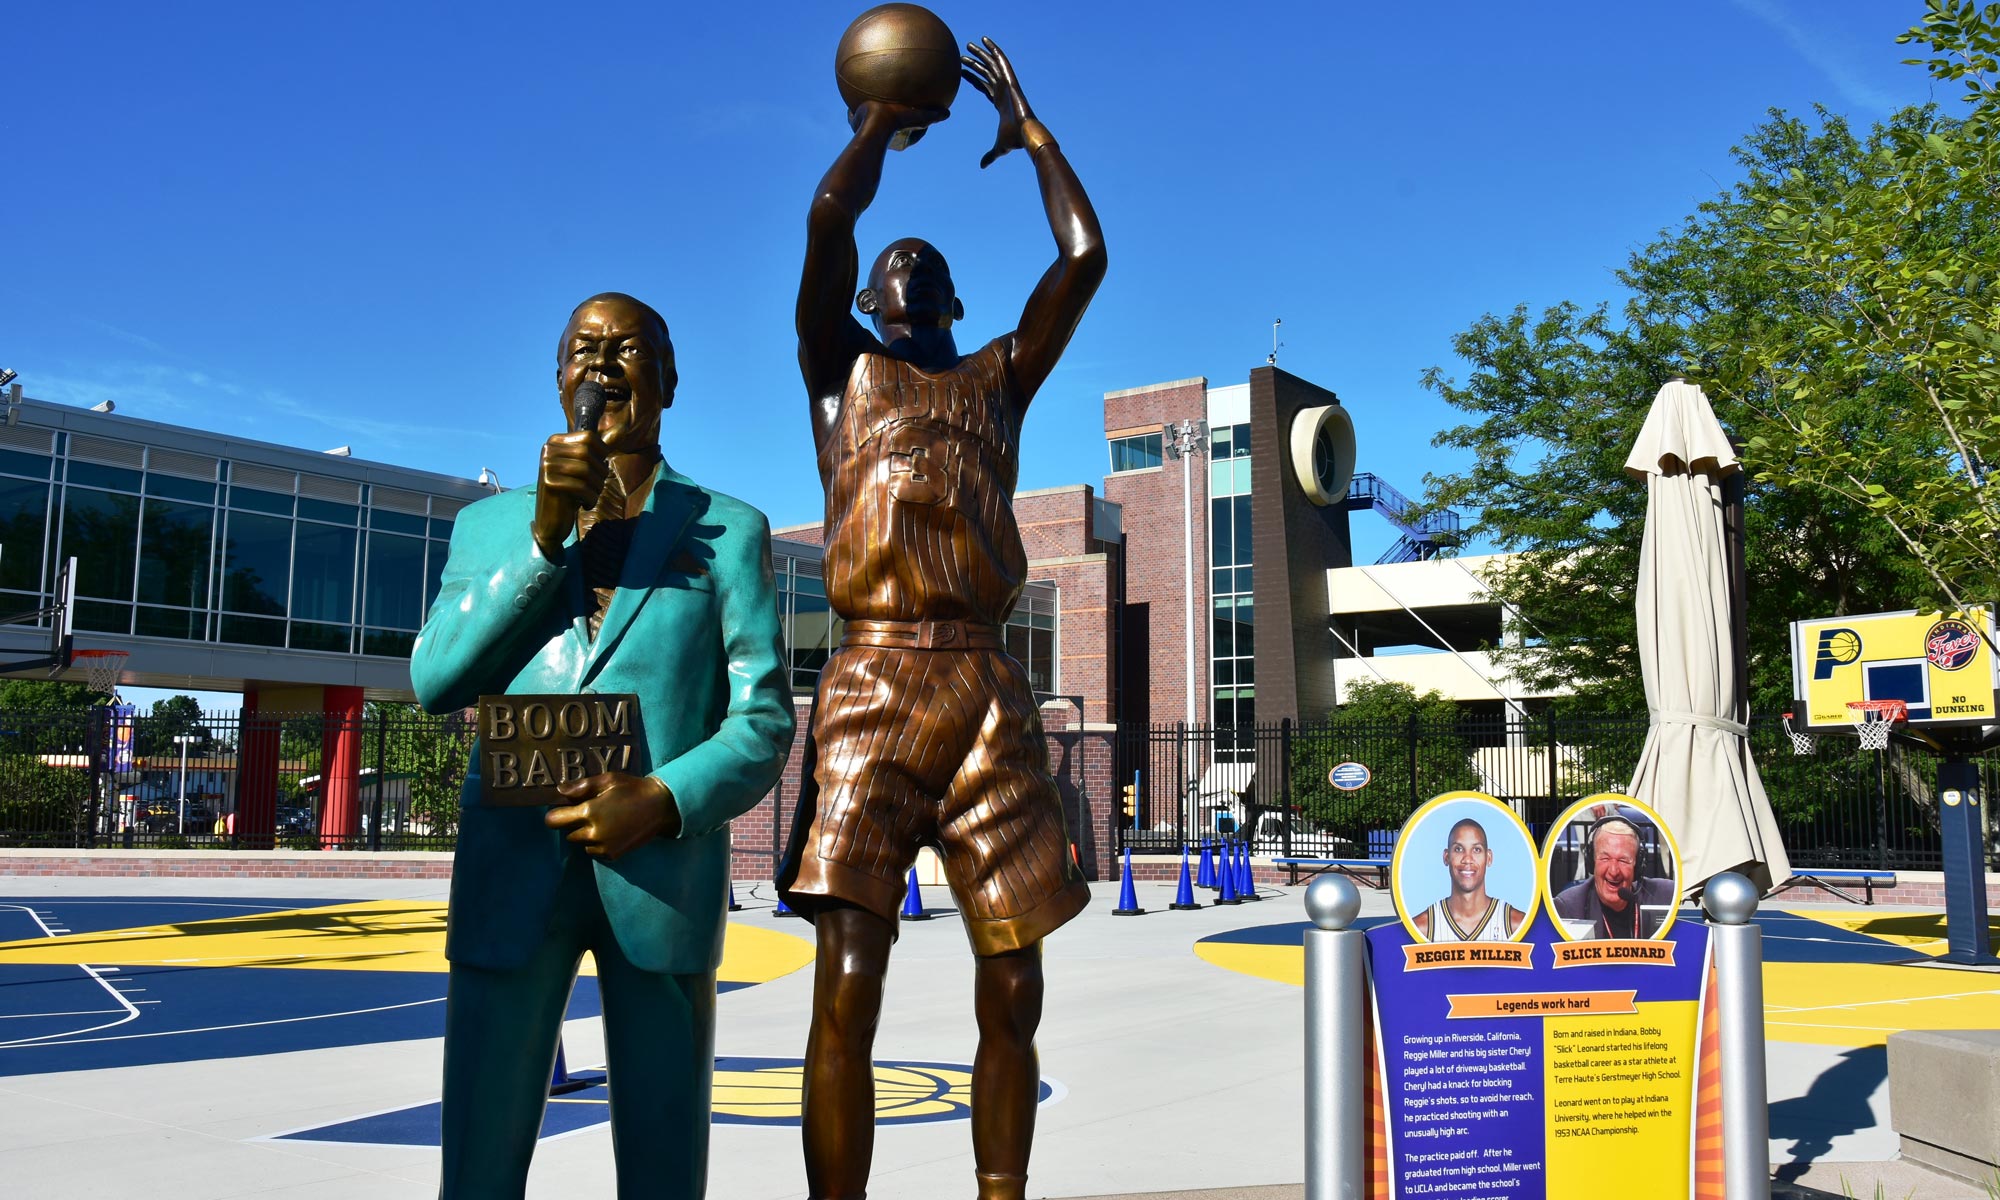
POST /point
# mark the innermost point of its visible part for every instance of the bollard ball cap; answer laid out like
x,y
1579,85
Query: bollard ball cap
x,y
1729,899
1332,902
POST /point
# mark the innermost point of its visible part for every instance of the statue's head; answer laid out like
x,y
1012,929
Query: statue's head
x,y
910,285
622,345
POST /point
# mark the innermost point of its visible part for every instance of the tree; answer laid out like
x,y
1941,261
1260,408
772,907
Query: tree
x,y
1889,267
1559,399
45,696
173,717
430,753
1409,743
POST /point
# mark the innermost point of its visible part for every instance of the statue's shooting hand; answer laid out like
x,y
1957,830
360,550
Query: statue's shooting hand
x,y
616,813
885,120
574,467
986,67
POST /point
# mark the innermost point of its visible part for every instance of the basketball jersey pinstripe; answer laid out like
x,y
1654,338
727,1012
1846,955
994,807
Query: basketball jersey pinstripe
x,y
1491,928
919,474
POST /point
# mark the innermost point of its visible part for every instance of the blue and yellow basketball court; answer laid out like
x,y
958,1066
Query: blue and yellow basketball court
x,y
189,1039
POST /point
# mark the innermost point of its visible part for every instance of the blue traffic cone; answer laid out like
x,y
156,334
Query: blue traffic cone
x,y
1246,879
561,1082
913,901
783,909
1205,875
733,905
1128,897
1225,877
1184,895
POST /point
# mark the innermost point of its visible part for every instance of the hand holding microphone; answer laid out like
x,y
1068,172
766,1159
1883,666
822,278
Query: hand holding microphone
x,y
573,471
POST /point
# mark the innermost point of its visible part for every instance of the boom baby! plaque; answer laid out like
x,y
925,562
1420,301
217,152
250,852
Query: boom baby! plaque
x,y
530,745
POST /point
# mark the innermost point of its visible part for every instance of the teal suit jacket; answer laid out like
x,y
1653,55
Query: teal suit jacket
x,y
693,631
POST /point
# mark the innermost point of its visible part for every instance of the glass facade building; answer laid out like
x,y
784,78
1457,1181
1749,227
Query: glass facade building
x,y
1232,642
207,548
811,630
222,561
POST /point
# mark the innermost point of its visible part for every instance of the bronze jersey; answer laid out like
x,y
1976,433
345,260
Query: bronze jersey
x,y
919,474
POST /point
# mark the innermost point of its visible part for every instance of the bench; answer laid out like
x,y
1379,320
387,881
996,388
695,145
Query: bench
x,y
1346,866
1822,877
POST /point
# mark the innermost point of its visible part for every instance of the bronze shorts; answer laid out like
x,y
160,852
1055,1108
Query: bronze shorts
x,y
941,748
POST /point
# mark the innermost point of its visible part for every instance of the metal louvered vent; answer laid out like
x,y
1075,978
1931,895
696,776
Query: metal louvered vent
x,y
441,507
25,437
107,452
175,462
808,568
251,475
398,501
321,488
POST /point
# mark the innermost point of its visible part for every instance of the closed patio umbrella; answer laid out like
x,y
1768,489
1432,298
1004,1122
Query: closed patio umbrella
x,y
1695,769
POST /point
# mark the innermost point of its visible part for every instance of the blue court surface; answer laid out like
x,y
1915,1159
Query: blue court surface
x,y
94,982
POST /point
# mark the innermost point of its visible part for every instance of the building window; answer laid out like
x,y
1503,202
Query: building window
x,y
1232,646
1135,453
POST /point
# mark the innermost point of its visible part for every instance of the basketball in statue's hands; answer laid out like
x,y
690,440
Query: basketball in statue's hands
x,y
900,54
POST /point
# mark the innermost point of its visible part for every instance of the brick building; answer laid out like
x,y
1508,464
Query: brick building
x,y
1258,507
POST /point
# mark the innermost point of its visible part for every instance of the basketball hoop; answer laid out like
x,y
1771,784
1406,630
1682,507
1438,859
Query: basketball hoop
x,y
1874,719
1802,743
102,668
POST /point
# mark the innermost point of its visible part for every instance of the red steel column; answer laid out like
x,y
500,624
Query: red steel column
x,y
257,778
340,767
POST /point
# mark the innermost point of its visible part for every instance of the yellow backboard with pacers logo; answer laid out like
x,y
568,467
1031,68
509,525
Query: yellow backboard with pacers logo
x,y
1937,663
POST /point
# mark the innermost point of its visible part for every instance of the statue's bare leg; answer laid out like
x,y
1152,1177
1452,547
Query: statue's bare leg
x,y
1006,1075
840,1070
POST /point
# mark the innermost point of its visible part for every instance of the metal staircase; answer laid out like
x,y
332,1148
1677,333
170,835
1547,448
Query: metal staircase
x,y
1422,536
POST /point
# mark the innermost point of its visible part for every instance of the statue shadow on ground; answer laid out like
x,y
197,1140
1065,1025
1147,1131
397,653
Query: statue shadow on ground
x,y
1835,1105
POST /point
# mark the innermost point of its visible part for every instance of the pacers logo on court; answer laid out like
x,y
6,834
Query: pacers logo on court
x,y
1837,648
770,1091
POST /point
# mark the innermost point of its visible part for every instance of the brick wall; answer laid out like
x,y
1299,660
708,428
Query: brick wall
x,y
1154,630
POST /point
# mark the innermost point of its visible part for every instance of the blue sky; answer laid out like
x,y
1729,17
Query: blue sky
x,y
364,223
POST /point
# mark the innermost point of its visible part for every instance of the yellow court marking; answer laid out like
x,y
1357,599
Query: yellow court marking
x,y
1923,932
901,1092
1861,1004
1829,1004
1285,964
370,935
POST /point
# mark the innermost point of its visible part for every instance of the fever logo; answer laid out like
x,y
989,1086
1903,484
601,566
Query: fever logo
x,y
1950,644
1837,648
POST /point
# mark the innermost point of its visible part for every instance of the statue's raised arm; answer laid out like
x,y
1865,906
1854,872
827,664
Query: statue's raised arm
x,y
1058,302
829,336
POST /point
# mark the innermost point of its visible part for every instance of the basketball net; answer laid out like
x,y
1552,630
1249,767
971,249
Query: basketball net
x,y
1875,719
102,668
1802,743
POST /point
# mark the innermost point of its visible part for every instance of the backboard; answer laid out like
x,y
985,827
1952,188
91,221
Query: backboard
x,y
1937,663
61,616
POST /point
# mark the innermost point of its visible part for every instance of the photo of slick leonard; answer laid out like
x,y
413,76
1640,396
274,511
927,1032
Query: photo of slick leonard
x,y
1617,898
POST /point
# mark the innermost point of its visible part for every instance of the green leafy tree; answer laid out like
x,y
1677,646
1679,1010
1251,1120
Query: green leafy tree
x,y
45,696
429,753
1557,400
1888,266
1378,727
173,717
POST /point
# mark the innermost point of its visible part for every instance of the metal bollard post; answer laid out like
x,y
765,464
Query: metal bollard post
x,y
1730,901
1336,1057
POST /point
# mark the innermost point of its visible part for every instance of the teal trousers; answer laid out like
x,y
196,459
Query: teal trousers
x,y
501,1032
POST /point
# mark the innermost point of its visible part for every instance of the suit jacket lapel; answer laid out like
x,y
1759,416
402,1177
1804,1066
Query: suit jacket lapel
x,y
669,510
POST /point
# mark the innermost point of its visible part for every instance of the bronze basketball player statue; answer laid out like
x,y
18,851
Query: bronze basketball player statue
x,y
925,730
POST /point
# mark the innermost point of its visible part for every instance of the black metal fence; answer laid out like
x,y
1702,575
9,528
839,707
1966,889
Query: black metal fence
x,y
187,777
1837,805
77,779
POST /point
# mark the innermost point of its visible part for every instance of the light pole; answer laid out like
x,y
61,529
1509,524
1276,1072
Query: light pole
x,y
1184,440
184,739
